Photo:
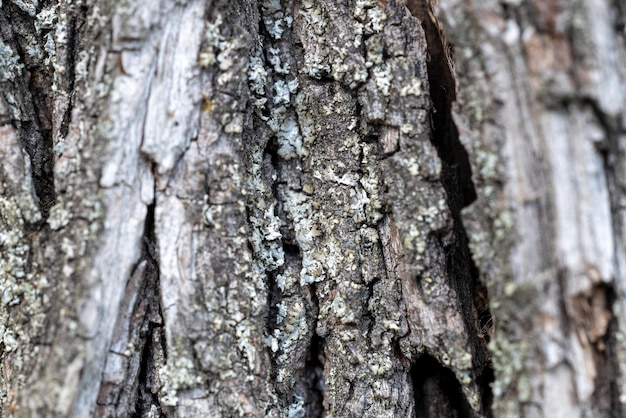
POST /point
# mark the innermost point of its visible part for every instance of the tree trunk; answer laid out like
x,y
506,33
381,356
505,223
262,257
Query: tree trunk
x,y
307,208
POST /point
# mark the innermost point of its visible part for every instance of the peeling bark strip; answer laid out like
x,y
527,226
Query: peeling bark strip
x,y
259,208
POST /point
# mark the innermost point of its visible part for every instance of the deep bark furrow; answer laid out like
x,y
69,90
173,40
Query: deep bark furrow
x,y
127,387
460,191
32,98
147,402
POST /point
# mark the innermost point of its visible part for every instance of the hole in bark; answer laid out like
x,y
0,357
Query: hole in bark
x,y
437,391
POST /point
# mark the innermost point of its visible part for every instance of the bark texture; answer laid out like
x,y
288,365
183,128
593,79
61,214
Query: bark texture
x,y
259,208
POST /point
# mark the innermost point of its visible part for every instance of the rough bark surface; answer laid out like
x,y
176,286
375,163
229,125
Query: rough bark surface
x,y
258,208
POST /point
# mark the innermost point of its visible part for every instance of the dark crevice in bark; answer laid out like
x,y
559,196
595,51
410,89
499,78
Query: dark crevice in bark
x,y
481,301
274,295
620,18
136,393
437,391
307,388
457,181
457,171
152,332
314,365
38,146
311,386
314,377
33,91
607,395
370,295
610,373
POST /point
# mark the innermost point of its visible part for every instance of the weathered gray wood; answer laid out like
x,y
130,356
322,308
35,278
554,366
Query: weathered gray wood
x,y
258,208
542,110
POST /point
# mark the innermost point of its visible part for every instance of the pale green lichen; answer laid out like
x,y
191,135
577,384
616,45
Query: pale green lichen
x,y
306,224
276,62
293,327
296,409
413,88
289,140
508,361
212,40
232,122
265,236
46,19
177,375
275,19
59,216
371,15
315,60
10,66
257,75
281,93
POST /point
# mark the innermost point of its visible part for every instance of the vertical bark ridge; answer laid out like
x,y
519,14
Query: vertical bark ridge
x,y
460,191
32,85
23,310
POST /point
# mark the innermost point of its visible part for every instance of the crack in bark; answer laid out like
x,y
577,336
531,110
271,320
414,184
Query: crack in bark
x,y
611,367
606,356
130,387
34,92
314,375
72,46
460,191
304,386
147,400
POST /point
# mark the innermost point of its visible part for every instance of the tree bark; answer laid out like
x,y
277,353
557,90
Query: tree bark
x,y
297,208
